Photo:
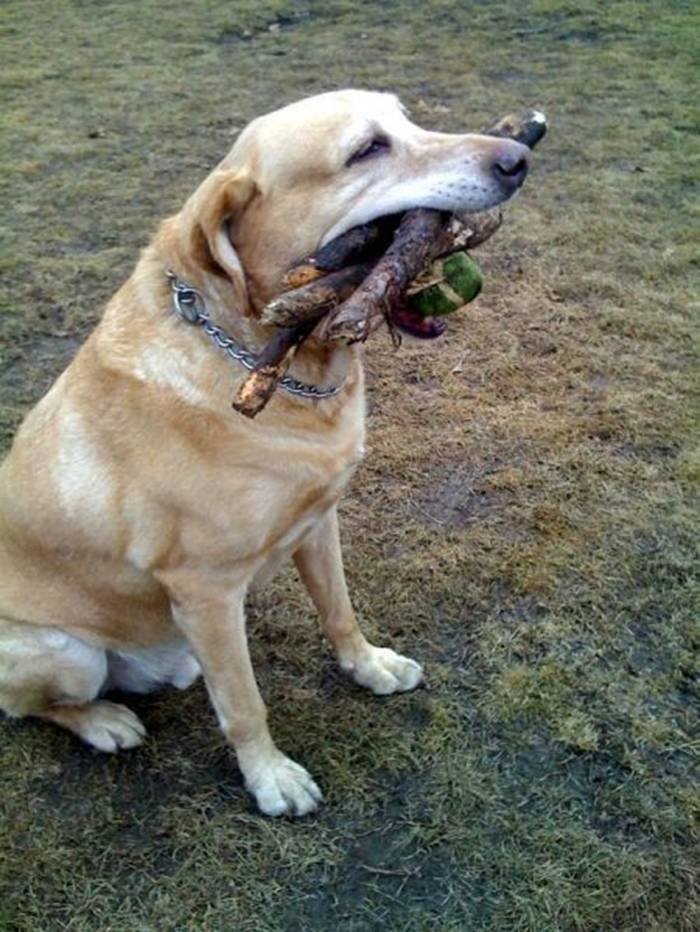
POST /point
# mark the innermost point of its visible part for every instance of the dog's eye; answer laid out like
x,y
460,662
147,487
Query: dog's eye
x,y
375,146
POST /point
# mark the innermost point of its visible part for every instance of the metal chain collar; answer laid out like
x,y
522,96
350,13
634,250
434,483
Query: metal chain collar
x,y
189,306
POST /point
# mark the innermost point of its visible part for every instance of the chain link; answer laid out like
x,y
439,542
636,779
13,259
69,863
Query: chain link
x,y
190,307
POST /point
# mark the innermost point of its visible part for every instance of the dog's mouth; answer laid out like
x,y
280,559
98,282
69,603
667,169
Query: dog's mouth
x,y
407,320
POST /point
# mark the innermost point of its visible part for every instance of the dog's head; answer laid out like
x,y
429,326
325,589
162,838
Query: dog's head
x,y
299,176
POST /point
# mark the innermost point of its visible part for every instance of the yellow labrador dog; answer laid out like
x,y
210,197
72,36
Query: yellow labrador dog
x,y
137,508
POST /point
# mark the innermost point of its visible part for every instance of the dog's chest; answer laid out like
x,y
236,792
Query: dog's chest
x,y
320,483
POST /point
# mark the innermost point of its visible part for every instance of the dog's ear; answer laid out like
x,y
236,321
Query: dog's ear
x,y
208,214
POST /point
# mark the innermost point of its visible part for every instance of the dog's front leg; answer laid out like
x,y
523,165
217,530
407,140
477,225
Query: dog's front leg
x,y
214,623
319,561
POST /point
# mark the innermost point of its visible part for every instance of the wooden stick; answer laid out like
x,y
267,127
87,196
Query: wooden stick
x,y
312,300
323,294
465,231
421,237
411,250
527,128
273,362
358,244
297,312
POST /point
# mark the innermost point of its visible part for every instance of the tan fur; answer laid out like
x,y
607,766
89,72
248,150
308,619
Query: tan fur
x,y
136,508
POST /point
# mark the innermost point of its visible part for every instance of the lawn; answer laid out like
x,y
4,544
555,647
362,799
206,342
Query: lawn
x,y
526,521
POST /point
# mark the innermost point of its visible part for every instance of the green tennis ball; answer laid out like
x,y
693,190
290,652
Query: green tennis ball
x,y
454,281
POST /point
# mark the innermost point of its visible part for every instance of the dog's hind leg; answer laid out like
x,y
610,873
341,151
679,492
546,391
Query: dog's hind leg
x,y
48,674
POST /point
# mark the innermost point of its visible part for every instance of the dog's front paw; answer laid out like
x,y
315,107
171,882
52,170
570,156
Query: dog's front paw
x,y
384,671
283,787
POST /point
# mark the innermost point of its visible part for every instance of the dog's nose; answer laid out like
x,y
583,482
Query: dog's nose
x,y
510,167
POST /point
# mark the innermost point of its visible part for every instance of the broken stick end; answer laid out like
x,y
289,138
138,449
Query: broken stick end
x,y
256,391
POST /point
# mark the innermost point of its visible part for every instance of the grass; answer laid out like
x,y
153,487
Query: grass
x,y
526,522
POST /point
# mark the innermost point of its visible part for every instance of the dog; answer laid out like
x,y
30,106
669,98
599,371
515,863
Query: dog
x,y
137,508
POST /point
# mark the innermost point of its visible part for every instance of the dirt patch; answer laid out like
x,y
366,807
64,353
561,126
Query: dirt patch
x,y
461,497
